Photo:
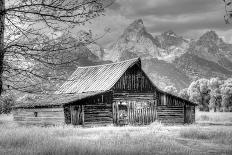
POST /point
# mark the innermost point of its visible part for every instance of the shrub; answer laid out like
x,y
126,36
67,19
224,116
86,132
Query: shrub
x,y
6,104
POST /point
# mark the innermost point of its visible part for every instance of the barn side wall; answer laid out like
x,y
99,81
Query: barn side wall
x,y
170,114
172,109
98,114
39,116
93,111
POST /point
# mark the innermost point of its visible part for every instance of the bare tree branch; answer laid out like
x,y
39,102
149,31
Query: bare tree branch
x,y
30,58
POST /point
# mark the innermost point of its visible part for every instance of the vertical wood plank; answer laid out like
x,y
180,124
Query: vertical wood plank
x,y
134,114
83,115
117,114
165,99
71,113
113,113
154,114
146,116
143,115
128,112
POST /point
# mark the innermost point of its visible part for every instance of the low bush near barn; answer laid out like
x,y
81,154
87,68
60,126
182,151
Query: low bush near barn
x,y
152,139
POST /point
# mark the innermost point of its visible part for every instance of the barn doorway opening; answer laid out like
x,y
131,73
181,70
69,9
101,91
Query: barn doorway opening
x,y
188,115
76,115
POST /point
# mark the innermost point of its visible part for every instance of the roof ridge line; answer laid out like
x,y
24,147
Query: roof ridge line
x,y
109,63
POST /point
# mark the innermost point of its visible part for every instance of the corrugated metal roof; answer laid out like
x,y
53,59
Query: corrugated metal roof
x,y
53,99
96,78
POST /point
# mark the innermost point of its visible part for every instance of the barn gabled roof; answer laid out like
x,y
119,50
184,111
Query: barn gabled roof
x,y
96,78
32,101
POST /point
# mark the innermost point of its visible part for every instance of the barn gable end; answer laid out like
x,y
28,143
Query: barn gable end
x,y
134,80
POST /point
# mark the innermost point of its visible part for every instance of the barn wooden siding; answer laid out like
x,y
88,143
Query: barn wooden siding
x,y
134,80
133,98
145,108
134,108
189,112
134,114
173,109
39,116
92,111
170,114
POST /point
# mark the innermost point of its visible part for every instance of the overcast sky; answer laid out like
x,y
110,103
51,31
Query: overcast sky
x,y
189,18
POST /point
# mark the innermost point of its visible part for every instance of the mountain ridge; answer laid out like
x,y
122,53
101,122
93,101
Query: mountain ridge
x,y
208,56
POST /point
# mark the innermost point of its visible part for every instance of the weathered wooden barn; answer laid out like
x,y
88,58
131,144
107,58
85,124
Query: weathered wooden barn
x,y
117,93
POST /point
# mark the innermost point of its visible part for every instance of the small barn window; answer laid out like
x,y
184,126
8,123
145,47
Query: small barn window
x,y
36,114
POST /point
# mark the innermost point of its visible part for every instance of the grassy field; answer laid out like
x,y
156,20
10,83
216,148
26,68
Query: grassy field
x,y
153,139
223,118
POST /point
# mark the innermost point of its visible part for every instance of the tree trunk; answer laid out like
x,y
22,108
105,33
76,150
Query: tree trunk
x,y
2,51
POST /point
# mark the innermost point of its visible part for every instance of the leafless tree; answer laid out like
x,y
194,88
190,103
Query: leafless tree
x,y
29,48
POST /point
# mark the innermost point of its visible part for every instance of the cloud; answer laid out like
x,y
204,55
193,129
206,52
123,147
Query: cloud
x,y
185,17
186,23
133,8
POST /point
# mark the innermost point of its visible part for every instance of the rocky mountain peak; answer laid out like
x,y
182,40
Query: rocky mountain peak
x,y
134,42
135,27
170,39
169,33
209,42
210,36
137,24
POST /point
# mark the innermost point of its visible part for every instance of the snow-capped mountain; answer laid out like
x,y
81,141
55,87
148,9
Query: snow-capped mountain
x,y
212,48
209,56
137,42
171,46
171,59
134,42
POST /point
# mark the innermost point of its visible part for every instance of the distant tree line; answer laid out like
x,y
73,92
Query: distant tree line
x,y
210,94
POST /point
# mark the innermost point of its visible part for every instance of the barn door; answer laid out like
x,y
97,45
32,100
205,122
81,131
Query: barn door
x,y
134,112
76,115
141,112
188,114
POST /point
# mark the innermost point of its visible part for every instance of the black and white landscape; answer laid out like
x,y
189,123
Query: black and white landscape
x,y
115,77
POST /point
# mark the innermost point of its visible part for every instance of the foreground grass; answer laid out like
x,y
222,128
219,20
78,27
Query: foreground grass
x,y
221,136
152,139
